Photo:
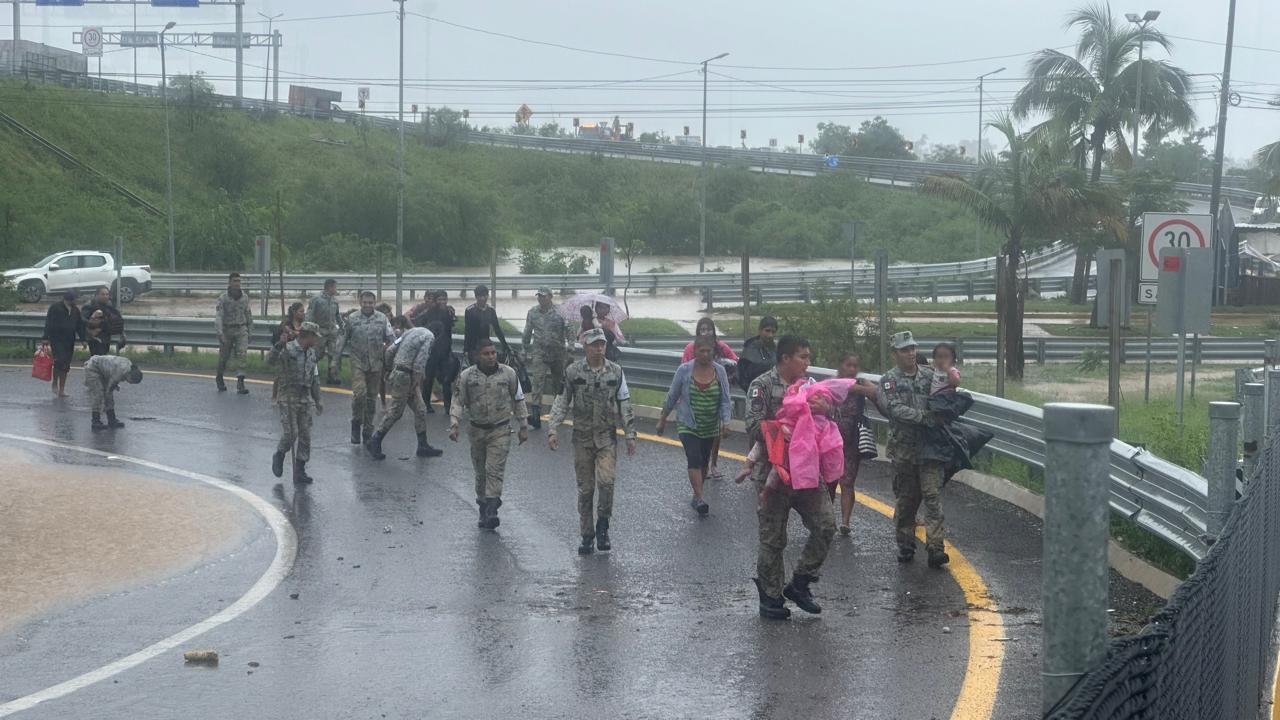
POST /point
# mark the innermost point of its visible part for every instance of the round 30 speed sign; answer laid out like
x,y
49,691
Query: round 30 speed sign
x,y
1168,230
91,41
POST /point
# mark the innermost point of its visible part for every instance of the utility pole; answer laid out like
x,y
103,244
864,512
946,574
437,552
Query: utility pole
x,y
977,161
17,40
239,53
400,184
702,174
276,39
266,76
168,147
1142,22
1219,145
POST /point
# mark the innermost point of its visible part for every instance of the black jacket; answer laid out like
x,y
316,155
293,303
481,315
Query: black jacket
x,y
954,442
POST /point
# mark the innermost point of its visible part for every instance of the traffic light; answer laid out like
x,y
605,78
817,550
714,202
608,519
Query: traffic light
x,y
800,139
742,134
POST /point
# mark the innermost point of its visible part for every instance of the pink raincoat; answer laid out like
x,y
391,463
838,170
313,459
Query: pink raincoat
x,y
815,454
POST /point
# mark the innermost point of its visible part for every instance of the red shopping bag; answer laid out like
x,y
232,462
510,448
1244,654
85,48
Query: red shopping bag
x,y
42,365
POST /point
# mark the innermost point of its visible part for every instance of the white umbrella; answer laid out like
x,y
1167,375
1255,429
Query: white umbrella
x,y
571,311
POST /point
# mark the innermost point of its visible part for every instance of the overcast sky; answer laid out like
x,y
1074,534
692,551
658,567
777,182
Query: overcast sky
x,y
789,47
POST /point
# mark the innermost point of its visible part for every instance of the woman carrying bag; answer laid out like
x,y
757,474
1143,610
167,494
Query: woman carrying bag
x,y
63,326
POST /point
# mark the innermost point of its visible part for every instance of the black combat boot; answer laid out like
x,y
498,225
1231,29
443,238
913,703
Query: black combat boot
x,y
491,520
277,464
797,591
906,553
240,388
97,423
602,535
222,385
300,476
938,558
771,608
425,449
355,432
535,417
366,432
374,446
588,545
112,421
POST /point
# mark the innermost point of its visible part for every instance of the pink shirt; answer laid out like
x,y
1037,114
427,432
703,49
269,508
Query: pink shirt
x,y
723,352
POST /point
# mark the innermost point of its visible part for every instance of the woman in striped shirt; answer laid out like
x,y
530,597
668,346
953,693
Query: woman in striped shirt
x,y
700,396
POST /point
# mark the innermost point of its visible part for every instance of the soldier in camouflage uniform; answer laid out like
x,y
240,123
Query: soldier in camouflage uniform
x,y
408,360
904,393
546,342
298,387
102,375
323,311
596,392
365,335
233,322
813,505
490,394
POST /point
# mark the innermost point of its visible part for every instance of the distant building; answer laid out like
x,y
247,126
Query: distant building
x,y
37,57
313,99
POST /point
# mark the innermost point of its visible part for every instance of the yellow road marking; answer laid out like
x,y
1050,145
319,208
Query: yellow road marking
x,y
977,697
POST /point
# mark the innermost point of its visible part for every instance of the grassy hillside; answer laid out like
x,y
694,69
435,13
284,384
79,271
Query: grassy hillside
x,y
336,186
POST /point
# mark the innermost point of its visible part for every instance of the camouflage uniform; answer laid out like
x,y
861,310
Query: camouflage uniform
x,y
323,311
914,477
600,401
814,506
365,337
545,341
102,374
232,322
411,352
298,379
490,402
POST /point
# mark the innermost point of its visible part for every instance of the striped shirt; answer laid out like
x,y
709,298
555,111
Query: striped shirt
x,y
705,402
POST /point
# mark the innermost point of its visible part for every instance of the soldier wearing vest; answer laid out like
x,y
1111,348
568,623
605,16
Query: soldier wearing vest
x,y
546,343
490,394
904,393
366,335
323,311
596,393
233,323
297,388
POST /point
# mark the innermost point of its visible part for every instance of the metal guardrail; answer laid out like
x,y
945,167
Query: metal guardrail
x,y
910,288
1165,499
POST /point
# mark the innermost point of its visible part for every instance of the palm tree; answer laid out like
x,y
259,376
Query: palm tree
x,y
1027,194
1090,97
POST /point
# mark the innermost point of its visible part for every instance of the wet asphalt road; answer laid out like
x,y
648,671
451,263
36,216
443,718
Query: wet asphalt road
x,y
438,619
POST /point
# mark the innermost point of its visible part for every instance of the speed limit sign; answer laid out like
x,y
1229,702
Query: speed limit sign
x,y
1168,230
91,41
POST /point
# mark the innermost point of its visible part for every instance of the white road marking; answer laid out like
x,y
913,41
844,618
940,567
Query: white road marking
x,y
281,564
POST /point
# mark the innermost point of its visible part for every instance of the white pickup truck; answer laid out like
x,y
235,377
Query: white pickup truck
x,y
79,270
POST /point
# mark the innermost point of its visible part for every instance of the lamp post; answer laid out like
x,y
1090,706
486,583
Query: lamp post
x,y
1147,18
977,231
168,146
400,183
702,175
266,77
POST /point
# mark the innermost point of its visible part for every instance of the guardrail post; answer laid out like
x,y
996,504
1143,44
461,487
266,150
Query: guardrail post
x,y
1273,404
1076,514
707,299
968,286
1268,353
1252,396
1224,435
933,290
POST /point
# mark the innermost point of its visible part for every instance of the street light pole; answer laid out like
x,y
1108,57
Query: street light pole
x,y
168,146
1142,22
1219,148
400,184
702,174
266,76
977,231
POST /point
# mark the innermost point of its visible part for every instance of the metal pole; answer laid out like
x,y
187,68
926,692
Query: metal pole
x,y
168,151
275,67
1116,281
1137,111
1076,514
17,37
1253,419
1269,357
702,180
1219,145
746,291
977,224
266,76
135,48
1195,360
239,52
119,268
1000,324
1224,436
1273,404
1146,381
400,184
882,289
1182,374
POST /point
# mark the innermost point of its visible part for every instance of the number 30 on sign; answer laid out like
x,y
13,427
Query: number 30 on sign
x,y
1167,230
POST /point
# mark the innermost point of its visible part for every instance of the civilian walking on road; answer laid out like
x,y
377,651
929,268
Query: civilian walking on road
x,y
764,399
63,326
851,418
102,322
700,396
724,357
904,393
441,365
758,353
478,321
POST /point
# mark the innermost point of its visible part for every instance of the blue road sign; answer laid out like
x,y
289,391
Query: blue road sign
x,y
831,161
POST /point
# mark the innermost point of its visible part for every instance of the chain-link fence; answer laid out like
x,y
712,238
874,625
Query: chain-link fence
x,y
1206,655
